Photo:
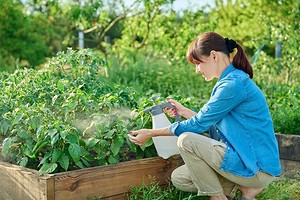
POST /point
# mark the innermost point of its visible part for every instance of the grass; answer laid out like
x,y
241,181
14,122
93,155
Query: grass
x,y
281,189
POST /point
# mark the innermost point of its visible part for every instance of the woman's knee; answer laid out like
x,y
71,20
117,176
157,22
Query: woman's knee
x,y
183,139
181,179
186,140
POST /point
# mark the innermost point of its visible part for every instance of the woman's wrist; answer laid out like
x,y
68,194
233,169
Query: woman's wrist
x,y
187,113
160,132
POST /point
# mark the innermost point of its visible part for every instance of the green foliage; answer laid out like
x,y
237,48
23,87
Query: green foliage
x,y
68,115
160,33
281,189
65,117
284,101
20,41
155,191
151,75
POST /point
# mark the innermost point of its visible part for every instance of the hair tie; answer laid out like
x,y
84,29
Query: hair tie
x,y
231,44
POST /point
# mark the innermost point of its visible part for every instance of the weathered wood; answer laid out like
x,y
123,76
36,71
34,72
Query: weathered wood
x,y
113,179
109,182
289,147
290,168
21,183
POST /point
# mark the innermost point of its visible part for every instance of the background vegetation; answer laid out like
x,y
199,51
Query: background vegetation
x,y
60,108
145,42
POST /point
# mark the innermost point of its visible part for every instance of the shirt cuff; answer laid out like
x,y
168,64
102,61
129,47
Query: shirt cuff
x,y
172,128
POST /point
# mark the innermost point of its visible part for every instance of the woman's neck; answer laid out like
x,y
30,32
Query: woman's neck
x,y
223,63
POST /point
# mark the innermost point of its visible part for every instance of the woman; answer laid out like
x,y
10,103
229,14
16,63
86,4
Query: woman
x,y
246,156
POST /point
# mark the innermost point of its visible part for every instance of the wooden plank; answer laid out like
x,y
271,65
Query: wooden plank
x,y
113,180
290,168
289,147
19,183
48,187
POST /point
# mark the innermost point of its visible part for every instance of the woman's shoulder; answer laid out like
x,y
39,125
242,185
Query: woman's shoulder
x,y
238,74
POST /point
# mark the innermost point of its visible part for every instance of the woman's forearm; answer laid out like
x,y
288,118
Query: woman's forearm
x,y
160,132
188,113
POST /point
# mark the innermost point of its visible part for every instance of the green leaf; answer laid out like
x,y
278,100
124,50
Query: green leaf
x,y
4,127
112,160
79,164
101,155
6,146
148,143
52,132
64,162
40,144
23,134
73,139
46,156
23,162
74,150
63,134
54,140
39,130
85,162
84,151
56,154
47,168
91,142
27,150
19,117
116,145
60,85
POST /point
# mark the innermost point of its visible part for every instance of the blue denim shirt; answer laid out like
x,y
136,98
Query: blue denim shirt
x,y
239,111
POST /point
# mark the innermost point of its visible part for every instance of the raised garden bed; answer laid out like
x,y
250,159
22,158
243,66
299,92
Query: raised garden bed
x,y
113,181
289,149
108,182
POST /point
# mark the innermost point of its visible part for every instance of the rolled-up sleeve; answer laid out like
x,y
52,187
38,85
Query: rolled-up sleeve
x,y
226,95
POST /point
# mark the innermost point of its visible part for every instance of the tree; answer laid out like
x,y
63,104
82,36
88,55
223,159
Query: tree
x,y
20,43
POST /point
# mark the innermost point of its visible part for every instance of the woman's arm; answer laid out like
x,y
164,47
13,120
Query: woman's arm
x,y
139,137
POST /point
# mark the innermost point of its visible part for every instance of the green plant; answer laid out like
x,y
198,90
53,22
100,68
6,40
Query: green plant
x,y
281,189
65,117
155,191
284,101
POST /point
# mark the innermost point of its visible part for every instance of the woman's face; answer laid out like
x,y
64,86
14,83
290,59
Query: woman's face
x,y
207,68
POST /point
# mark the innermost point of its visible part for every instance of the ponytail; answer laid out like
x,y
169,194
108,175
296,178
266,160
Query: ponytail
x,y
240,61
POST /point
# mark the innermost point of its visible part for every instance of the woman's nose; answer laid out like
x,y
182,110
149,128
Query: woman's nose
x,y
197,69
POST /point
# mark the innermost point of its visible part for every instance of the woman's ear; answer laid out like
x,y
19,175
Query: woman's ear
x,y
213,53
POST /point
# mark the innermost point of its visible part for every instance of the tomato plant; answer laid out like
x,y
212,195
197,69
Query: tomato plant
x,y
65,116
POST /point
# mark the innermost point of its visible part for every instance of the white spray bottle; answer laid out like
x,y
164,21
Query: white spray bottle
x,y
166,146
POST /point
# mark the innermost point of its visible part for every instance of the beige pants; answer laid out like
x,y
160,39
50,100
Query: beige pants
x,y
201,173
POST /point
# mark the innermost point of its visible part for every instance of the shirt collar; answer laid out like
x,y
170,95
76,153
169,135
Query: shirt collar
x,y
227,71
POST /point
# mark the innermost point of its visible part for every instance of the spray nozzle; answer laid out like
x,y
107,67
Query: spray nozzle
x,y
158,108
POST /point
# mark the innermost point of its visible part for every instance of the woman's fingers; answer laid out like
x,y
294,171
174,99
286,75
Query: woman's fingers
x,y
171,111
134,139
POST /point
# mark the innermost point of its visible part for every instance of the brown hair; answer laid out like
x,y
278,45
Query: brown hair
x,y
208,41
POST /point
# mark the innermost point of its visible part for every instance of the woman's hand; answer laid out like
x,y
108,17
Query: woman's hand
x,y
179,109
176,109
139,137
